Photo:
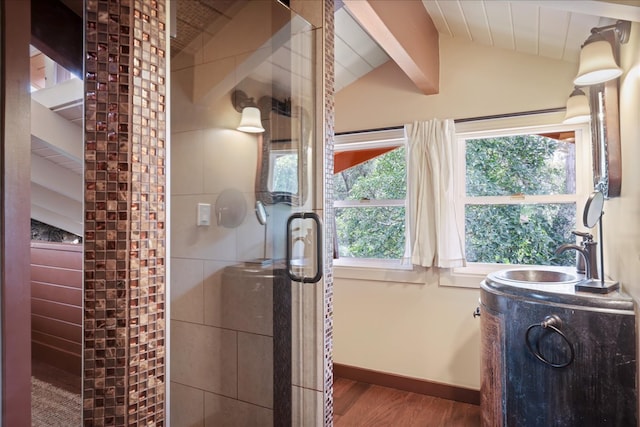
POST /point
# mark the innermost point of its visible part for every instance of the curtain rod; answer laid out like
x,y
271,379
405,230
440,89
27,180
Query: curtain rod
x,y
469,119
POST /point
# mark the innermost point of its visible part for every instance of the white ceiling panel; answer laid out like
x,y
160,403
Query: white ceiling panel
x,y
438,17
348,30
343,77
554,27
479,25
454,19
348,58
500,24
526,23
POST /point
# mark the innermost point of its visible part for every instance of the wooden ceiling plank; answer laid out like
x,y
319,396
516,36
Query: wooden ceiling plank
x,y
404,29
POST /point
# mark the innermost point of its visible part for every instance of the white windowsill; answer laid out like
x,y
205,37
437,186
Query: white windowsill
x,y
392,271
378,270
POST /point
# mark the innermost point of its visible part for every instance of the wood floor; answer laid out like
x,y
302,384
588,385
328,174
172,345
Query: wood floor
x,y
356,404
359,404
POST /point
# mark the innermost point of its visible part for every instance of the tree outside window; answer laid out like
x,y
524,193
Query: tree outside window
x,y
370,212
503,176
519,199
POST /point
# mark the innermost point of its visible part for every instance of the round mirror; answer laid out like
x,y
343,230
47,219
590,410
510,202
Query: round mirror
x,y
261,212
231,208
593,209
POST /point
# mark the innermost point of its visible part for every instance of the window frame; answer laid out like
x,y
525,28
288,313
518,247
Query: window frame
x,y
467,276
383,138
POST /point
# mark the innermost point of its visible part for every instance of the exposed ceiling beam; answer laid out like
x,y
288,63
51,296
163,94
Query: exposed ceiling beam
x,y
404,29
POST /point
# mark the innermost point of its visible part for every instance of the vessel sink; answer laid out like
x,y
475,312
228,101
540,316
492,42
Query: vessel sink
x,y
539,276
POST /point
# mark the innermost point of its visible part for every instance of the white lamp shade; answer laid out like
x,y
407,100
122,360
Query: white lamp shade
x,y
250,121
597,64
578,110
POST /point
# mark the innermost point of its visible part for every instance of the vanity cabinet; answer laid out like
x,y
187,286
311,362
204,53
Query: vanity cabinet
x,y
557,357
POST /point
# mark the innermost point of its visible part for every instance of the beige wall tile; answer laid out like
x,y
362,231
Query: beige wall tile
x,y
223,412
251,234
204,357
255,369
187,290
190,56
213,81
230,159
307,335
307,407
185,116
187,406
187,157
239,299
190,241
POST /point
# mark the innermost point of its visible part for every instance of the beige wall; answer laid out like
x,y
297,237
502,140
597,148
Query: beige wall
x,y
474,81
621,227
426,330
419,330
622,215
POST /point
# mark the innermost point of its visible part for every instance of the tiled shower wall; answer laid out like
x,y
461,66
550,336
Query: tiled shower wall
x,y
124,260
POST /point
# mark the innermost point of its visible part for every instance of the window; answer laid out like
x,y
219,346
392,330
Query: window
x,y
370,187
520,191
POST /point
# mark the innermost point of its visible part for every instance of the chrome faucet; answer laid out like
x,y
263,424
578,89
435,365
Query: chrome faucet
x,y
592,251
582,251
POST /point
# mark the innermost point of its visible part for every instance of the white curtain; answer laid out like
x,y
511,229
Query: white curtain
x,y
435,239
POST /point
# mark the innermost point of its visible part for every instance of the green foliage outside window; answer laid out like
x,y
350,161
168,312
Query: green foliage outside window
x,y
519,233
285,173
520,164
372,232
495,233
383,177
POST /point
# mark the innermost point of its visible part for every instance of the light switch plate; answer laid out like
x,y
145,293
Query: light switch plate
x,y
204,214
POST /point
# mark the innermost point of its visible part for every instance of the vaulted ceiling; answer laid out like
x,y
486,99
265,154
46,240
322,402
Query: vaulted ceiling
x,y
364,40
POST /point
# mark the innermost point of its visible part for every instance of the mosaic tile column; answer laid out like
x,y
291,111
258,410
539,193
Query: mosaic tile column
x,y
124,260
328,122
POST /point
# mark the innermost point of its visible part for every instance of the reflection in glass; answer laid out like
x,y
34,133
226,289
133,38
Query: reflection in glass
x,y
283,173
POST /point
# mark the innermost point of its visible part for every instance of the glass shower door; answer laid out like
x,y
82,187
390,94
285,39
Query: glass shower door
x,y
246,248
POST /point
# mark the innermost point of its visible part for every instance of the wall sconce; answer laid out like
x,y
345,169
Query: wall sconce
x,y
250,121
578,110
597,62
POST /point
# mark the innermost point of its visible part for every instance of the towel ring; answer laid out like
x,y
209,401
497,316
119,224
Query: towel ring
x,y
550,322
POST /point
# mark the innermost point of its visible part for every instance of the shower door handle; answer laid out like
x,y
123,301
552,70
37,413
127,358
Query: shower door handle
x,y
293,275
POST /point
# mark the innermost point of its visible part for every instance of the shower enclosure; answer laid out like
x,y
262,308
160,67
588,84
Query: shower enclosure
x,y
247,312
